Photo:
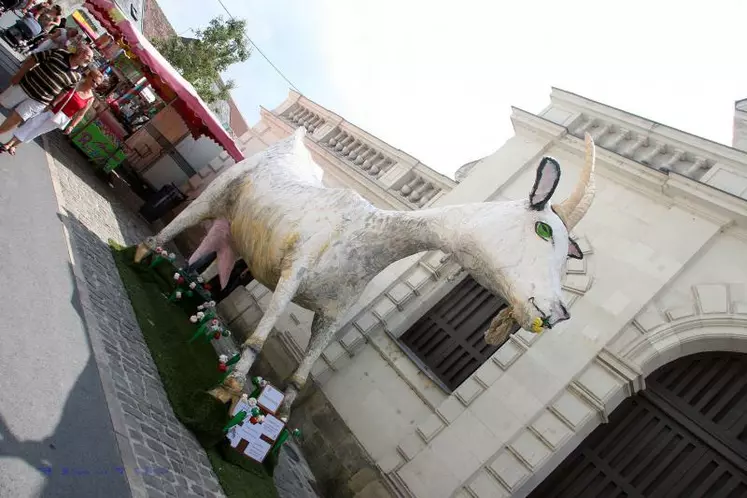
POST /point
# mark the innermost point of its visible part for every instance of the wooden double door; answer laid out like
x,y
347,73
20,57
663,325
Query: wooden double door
x,y
685,435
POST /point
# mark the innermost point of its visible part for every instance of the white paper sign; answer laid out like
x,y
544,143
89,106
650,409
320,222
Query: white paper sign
x,y
250,431
234,436
241,406
270,399
271,427
257,449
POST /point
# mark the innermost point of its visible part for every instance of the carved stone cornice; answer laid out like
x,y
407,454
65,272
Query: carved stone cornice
x,y
668,188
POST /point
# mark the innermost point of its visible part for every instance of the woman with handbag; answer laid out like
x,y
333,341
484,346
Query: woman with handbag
x,y
65,113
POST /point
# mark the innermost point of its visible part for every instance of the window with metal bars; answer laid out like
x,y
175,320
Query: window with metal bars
x,y
447,341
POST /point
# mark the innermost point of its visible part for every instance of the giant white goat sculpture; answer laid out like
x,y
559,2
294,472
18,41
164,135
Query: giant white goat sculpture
x,y
319,247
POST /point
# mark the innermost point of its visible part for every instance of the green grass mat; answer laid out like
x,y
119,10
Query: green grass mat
x,y
187,371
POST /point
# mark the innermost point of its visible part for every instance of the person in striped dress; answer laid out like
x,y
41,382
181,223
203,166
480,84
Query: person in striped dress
x,y
66,112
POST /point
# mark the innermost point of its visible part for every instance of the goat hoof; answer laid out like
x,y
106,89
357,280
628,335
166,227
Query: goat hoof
x,y
141,252
229,391
284,414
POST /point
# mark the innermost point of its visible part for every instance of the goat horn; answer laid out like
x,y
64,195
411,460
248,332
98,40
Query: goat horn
x,y
575,206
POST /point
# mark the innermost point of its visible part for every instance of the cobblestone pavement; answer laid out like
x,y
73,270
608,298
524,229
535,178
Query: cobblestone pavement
x,y
110,211
169,460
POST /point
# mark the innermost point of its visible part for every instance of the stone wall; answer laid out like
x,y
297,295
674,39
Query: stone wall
x,y
340,464
155,23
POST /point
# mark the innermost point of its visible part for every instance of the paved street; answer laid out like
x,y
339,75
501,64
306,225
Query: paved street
x,y
56,435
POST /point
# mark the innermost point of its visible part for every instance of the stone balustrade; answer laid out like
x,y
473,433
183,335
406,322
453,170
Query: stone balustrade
x,y
299,115
400,180
643,148
415,189
358,152
418,191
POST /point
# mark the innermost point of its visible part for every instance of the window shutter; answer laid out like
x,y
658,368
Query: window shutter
x,y
448,340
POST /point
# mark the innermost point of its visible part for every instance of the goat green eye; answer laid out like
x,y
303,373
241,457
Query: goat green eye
x,y
543,230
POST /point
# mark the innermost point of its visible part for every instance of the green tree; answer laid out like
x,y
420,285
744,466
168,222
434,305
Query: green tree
x,y
201,59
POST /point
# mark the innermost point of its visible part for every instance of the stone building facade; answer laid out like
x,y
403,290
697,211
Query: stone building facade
x,y
664,277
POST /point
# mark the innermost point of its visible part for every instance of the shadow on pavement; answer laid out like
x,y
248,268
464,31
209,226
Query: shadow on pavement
x,y
81,457
66,459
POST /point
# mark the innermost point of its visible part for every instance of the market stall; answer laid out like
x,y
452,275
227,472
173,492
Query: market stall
x,y
103,134
148,108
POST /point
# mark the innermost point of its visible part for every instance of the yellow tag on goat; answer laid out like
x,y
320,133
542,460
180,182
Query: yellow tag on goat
x,y
537,325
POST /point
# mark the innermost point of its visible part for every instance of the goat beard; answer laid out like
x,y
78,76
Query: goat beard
x,y
501,327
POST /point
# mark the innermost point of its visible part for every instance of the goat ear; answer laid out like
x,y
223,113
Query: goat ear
x,y
574,251
548,176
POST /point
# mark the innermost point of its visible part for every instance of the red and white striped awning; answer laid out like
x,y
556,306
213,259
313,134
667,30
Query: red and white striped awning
x,y
165,80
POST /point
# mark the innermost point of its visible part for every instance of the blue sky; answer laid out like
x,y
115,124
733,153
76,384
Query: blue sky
x,y
437,79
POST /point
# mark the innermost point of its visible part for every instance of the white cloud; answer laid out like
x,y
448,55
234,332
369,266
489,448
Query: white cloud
x,y
437,79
